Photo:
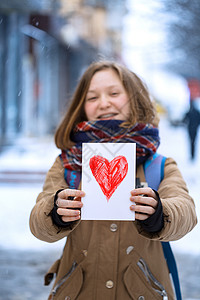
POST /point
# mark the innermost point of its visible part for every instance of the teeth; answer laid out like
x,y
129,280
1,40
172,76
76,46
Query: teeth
x,y
107,116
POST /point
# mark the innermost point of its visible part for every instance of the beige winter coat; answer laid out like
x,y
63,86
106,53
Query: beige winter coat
x,y
106,260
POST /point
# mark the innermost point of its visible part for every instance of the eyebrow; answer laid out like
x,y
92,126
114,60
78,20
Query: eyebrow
x,y
91,91
110,86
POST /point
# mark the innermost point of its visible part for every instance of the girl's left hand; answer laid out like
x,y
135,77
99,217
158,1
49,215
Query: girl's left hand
x,y
146,202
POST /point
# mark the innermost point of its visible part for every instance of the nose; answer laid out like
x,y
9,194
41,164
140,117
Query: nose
x,y
104,101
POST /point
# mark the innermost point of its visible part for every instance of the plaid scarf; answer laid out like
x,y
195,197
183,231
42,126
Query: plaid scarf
x,y
146,137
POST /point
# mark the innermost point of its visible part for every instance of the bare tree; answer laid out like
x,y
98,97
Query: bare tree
x,y
183,29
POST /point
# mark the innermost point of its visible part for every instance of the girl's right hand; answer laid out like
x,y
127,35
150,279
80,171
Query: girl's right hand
x,y
68,209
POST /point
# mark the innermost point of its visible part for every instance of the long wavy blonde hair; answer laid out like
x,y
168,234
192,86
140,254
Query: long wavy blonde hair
x,y
142,108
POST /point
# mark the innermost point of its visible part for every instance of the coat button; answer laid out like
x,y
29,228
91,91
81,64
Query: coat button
x,y
141,298
67,298
109,284
113,227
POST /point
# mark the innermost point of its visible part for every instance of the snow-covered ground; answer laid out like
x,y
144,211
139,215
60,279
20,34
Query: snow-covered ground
x,y
17,200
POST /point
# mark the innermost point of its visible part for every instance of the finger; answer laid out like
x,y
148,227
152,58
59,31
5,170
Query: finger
x,y
147,210
70,219
144,200
143,191
68,203
71,193
68,212
141,217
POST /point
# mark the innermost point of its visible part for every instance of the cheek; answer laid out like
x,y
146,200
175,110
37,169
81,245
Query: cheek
x,y
124,104
89,109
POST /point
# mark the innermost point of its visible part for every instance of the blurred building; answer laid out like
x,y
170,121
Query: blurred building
x,y
44,47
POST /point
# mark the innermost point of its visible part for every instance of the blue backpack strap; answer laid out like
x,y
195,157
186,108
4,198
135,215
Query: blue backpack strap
x,y
171,262
154,170
154,174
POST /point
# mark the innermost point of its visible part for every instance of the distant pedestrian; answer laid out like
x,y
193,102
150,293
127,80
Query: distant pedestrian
x,y
192,121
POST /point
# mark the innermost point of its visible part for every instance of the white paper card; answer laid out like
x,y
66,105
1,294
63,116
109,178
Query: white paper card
x,y
108,176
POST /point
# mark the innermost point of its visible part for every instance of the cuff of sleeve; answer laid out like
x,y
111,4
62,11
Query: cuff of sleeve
x,y
156,221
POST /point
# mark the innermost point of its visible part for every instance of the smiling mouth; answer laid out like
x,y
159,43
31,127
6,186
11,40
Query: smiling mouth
x,y
107,116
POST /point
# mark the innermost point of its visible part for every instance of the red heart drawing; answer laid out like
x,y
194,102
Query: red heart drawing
x,y
109,175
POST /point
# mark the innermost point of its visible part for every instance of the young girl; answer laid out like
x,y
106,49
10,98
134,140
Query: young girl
x,y
105,259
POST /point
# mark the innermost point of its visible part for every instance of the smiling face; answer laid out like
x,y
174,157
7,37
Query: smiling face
x,y
106,98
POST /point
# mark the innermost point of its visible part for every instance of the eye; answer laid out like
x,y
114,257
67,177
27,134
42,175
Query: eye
x,y
91,99
114,93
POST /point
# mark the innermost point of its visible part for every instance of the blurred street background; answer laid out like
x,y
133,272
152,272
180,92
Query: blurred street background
x,y
44,48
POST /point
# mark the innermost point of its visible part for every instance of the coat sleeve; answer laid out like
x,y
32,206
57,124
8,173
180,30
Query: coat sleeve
x,y
41,224
178,207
